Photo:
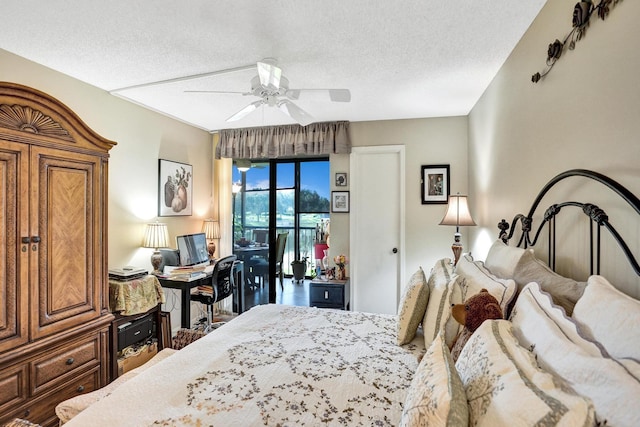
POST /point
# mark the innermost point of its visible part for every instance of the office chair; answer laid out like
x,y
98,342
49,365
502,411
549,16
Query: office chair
x,y
222,284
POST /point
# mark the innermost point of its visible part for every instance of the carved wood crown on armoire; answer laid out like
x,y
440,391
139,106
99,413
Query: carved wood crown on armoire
x,y
54,316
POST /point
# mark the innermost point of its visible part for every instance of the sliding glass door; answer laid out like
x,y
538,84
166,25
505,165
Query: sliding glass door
x,y
282,196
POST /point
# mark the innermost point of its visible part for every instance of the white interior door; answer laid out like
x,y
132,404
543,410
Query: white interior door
x,y
377,228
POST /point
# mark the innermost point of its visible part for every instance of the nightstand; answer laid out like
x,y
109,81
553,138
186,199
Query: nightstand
x,y
329,294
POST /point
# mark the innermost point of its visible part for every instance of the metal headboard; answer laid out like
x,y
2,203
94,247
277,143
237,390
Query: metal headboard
x,y
598,220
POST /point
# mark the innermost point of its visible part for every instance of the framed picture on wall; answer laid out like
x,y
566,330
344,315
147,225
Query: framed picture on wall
x,y
435,186
339,201
175,188
341,179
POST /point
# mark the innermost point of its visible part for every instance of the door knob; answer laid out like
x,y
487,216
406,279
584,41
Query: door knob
x,y
395,250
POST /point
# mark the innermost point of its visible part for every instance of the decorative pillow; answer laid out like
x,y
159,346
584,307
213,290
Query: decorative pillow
x,y
561,349
413,305
610,317
564,291
502,259
436,395
438,307
475,277
505,387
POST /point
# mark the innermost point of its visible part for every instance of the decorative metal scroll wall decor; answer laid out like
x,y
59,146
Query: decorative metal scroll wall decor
x,y
582,12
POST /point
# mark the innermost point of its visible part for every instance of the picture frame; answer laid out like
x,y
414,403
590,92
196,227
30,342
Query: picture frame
x,y
341,179
175,188
435,184
339,201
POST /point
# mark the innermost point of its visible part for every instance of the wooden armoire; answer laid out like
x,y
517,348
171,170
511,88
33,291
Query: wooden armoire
x,y
54,317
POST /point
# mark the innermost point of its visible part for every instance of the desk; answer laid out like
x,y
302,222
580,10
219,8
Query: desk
x,y
185,292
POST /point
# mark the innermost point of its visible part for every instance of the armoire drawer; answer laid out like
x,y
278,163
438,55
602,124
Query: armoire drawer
x,y
42,409
48,370
13,387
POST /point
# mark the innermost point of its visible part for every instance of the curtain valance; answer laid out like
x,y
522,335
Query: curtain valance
x,y
272,142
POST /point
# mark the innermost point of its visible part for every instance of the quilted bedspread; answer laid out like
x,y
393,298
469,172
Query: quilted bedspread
x,y
277,366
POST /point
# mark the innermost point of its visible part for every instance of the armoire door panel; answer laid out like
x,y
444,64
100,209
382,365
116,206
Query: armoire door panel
x,y
67,220
13,226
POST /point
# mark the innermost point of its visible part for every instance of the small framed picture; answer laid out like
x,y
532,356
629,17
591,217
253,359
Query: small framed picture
x,y
435,186
339,201
341,179
175,188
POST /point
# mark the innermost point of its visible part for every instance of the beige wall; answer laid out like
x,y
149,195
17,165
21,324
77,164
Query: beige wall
x,y
584,114
143,137
426,141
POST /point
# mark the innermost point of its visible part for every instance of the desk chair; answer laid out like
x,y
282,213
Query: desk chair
x,y
260,268
222,284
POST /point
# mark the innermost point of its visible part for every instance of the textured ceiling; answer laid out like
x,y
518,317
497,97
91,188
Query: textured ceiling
x,y
400,59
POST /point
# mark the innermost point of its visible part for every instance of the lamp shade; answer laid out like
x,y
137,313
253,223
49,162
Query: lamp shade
x,y
211,228
156,235
457,212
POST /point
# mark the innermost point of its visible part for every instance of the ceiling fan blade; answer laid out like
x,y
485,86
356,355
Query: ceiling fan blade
x,y
295,112
336,95
269,75
245,111
216,91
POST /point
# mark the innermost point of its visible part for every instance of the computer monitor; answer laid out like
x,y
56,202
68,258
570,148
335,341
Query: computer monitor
x,y
192,249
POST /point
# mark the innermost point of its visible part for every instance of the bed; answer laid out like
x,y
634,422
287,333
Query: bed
x,y
558,358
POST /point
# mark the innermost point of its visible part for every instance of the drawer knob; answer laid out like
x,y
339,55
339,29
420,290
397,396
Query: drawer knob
x,y
326,294
70,361
27,412
80,389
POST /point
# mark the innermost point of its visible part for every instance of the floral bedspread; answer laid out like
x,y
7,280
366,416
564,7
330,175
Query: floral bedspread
x,y
275,366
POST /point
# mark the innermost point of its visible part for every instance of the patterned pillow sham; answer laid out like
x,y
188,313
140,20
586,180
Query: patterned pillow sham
x,y
615,325
412,307
564,291
505,387
502,259
560,348
474,277
436,395
438,313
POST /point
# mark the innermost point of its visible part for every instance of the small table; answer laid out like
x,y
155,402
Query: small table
x,y
329,293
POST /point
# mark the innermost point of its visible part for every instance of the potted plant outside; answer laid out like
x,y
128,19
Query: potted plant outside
x,y
299,268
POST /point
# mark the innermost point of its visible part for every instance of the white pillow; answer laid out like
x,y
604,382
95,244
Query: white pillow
x,y
505,387
436,395
561,349
502,259
412,307
476,277
439,305
610,317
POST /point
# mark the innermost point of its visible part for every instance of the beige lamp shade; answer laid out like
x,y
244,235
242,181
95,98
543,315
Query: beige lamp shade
x,y
156,235
211,229
457,214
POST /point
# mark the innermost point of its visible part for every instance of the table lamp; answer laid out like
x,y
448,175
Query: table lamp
x,y
211,228
156,236
457,214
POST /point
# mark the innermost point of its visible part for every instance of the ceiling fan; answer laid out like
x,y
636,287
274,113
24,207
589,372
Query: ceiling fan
x,y
273,90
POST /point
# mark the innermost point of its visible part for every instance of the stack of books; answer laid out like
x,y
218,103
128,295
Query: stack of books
x,y
186,274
